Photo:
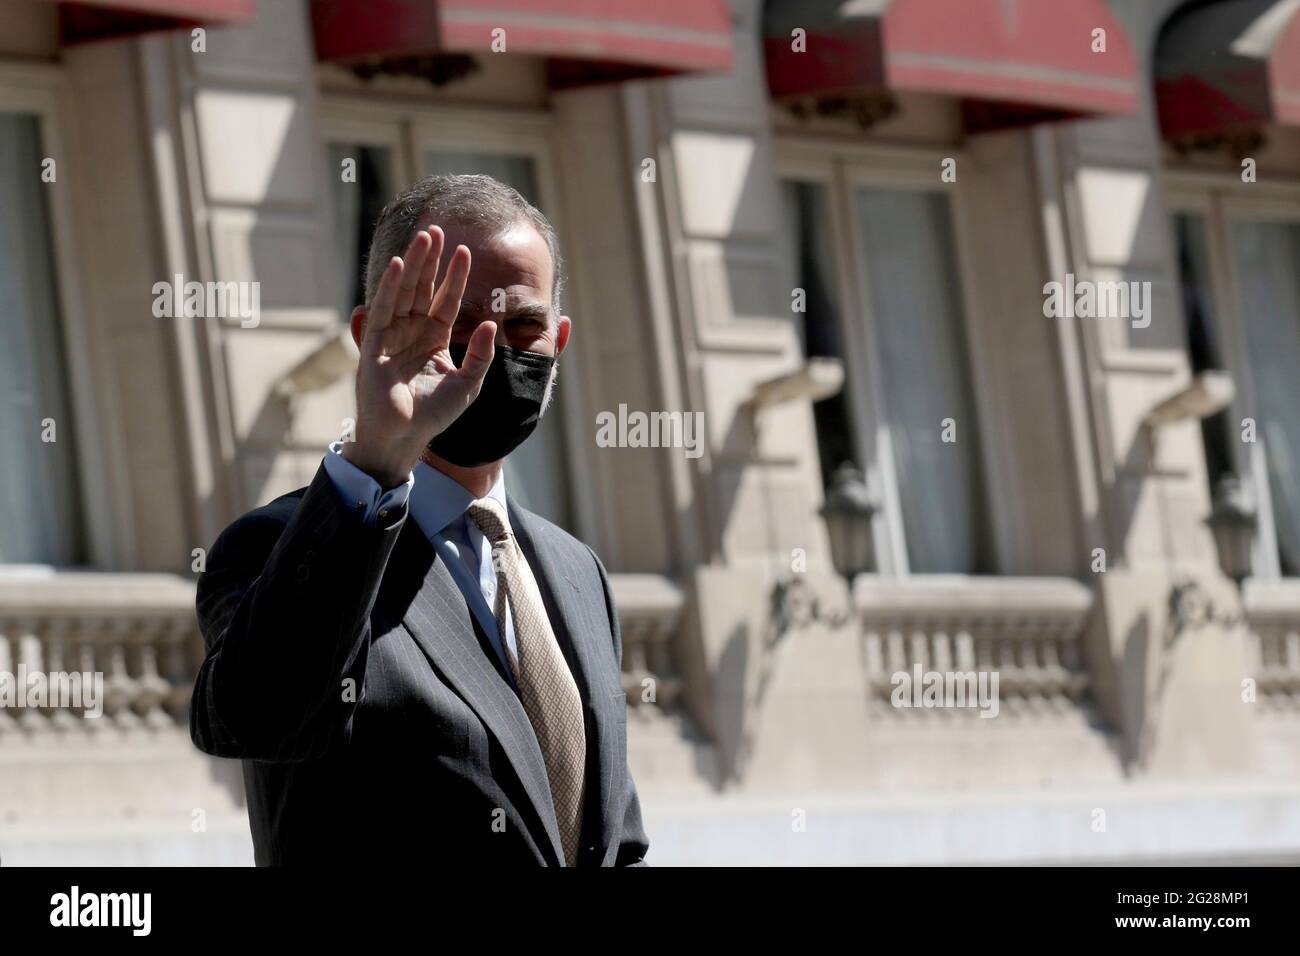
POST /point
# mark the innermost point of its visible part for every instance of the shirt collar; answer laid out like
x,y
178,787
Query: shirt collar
x,y
438,500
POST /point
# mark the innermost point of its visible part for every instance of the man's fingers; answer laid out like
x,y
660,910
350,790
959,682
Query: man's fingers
x,y
428,275
446,301
381,309
478,356
414,260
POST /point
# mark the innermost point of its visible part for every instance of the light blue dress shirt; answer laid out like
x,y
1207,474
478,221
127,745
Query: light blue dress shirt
x,y
438,504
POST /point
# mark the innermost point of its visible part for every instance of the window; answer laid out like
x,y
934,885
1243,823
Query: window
x,y
1240,267
358,201
1204,349
911,268
806,210
517,171
386,145
1266,264
897,319
40,515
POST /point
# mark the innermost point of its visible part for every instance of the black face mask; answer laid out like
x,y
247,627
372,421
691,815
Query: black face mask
x,y
506,411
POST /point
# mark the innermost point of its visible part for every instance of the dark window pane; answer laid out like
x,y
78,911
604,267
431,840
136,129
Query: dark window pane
x,y
357,205
1202,341
814,271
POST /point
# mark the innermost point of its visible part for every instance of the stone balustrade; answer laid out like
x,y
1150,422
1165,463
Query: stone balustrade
x,y
76,643
1027,630
139,634
650,611
1273,613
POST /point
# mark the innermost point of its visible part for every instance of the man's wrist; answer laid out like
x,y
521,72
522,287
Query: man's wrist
x,y
387,471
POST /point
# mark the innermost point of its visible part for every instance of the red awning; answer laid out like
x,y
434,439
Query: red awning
x,y
1229,67
584,40
1008,60
103,19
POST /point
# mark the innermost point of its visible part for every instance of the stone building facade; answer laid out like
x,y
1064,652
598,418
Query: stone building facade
x,y
739,245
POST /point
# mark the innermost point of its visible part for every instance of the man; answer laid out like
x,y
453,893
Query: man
x,y
412,667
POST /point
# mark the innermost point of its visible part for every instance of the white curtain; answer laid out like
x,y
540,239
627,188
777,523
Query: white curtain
x,y
1267,258
537,472
910,263
39,508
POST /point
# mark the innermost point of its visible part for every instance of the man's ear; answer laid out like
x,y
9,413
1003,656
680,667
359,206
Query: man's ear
x,y
358,324
563,326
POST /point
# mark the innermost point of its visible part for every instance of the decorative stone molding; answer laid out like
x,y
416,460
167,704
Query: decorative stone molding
x,y
1027,630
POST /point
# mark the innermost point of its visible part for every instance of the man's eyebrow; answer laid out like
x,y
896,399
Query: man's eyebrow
x,y
528,309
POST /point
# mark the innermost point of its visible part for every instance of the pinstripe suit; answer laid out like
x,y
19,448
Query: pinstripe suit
x,y
373,719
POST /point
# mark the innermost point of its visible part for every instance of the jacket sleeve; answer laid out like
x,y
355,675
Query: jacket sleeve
x,y
284,608
633,842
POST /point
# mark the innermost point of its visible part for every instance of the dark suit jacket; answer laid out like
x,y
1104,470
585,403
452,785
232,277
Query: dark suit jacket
x,y
372,716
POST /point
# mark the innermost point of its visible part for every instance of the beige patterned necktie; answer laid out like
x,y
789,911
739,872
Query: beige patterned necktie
x,y
546,686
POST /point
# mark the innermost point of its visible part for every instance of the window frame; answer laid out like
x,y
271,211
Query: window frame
x,y
410,127
1217,197
842,168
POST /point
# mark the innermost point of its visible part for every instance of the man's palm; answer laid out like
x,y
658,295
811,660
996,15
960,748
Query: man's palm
x,y
408,388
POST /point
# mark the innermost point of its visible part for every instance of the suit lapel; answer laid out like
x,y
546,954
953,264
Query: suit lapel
x,y
562,597
438,619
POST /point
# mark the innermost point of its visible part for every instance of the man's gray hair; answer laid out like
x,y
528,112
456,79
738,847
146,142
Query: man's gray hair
x,y
457,200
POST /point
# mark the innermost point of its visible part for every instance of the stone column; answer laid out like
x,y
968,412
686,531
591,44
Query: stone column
x,y
720,293
240,183
1142,499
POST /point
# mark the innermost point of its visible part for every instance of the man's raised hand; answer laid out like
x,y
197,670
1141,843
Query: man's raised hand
x,y
408,387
